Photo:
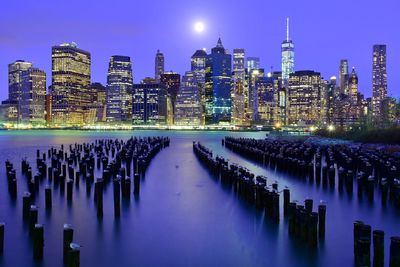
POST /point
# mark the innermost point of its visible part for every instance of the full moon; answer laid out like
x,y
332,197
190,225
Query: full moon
x,y
199,27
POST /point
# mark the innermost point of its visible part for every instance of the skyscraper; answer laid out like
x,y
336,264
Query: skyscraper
x,y
344,77
254,76
304,98
252,63
266,104
159,65
198,66
239,94
99,92
15,72
119,89
379,79
238,64
188,109
218,85
171,82
33,96
353,86
149,104
70,84
330,99
287,56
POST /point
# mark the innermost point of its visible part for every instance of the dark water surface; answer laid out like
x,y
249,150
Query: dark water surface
x,y
182,218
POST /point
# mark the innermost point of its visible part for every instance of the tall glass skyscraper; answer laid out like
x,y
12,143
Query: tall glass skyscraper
x,y
159,66
252,63
149,104
171,81
33,96
198,66
379,79
265,103
239,92
188,110
70,83
254,76
218,85
238,64
344,77
287,56
119,89
304,98
15,72
353,86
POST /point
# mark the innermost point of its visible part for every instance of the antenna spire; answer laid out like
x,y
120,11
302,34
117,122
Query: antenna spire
x,y
287,29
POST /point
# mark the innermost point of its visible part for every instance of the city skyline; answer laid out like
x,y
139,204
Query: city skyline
x,y
178,44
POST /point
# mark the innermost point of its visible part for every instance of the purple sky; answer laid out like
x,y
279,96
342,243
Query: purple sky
x,y
323,33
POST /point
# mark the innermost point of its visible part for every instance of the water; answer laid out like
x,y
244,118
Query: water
x,y
182,218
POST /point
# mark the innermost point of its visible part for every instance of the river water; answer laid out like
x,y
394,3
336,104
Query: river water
x,y
183,217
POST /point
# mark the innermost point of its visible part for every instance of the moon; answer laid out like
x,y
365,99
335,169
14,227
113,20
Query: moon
x,y
199,27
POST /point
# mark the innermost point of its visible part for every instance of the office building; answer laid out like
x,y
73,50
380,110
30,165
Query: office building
x,y
265,99
33,97
379,80
218,85
343,77
149,104
252,63
171,81
70,84
188,109
159,66
119,89
15,72
304,98
287,50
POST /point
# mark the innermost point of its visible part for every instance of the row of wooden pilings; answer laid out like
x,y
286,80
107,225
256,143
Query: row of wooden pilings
x,y
332,164
362,246
116,160
303,224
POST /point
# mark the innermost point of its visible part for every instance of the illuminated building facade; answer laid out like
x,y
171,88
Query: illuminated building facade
x,y
218,85
266,99
254,76
158,65
287,50
252,63
48,107
171,81
70,84
239,91
238,64
99,98
119,89
280,99
330,99
389,111
33,97
9,111
198,66
343,77
353,86
149,104
188,109
379,80
15,73
304,98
